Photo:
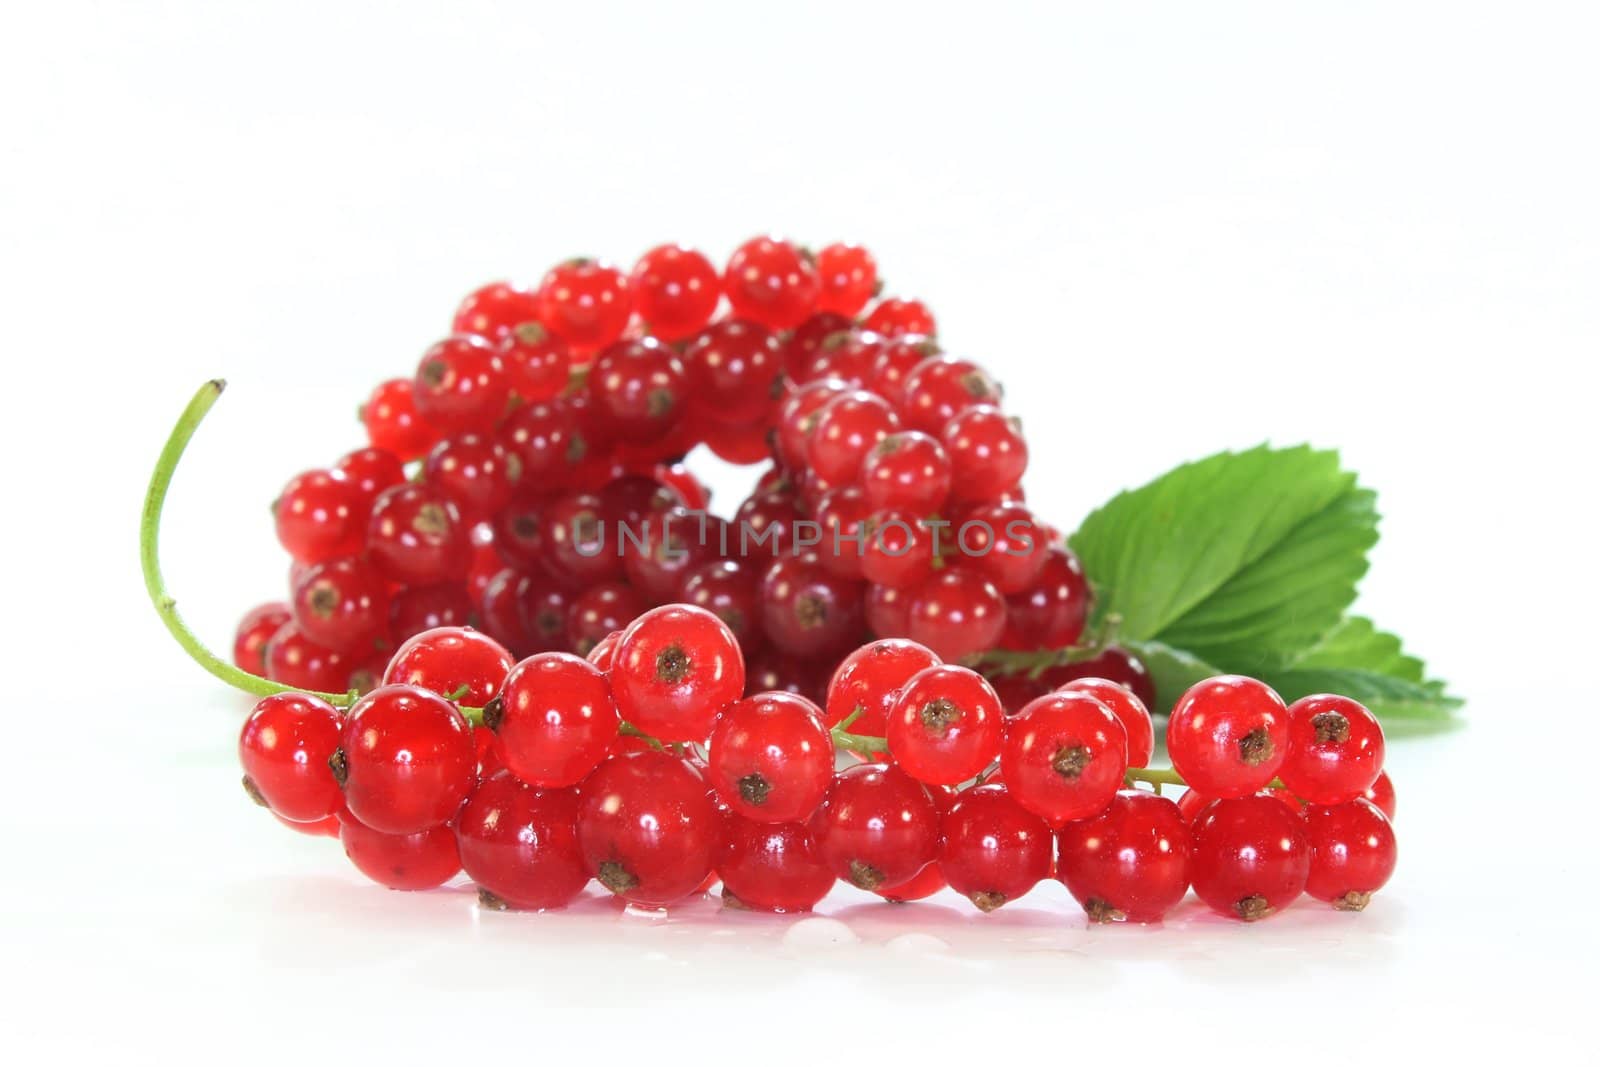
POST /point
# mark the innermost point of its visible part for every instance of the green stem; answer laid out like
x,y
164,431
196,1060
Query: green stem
x,y
1157,776
863,744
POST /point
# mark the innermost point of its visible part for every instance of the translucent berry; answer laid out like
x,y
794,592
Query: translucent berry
x,y
675,291
647,827
320,515
992,850
520,844
423,860
393,423
555,719
1228,736
1129,710
585,303
675,668
1250,856
454,661
878,827
1352,853
1335,750
945,725
284,748
406,759
771,757
894,317
1130,862
956,612
1064,756
770,281
462,385
770,866
848,277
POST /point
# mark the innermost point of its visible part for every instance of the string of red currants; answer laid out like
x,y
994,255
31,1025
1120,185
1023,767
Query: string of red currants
x,y
535,656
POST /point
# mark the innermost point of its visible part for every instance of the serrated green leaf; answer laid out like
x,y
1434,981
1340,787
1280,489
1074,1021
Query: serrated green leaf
x,y
1244,559
1364,663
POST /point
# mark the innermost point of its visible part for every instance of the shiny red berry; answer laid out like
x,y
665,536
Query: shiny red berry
x,y
1353,853
1335,750
1064,756
659,556
807,339
428,607
550,442
473,472
1228,736
675,291
943,387
956,612
908,471
770,866
1004,543
770,281
423,860
579,543
992,850
371,470
462,385
730,590
987,453
848,427
342,603
807,610
293,659
771,757
638,390
254,631
888,610
320,515
600,610
1250,856
284,748
393,423
520,844
1051,613
406,759
416,536
647,827
1129,710
797,419
555,718
844,530
495,310
851,356
1130,862
454,661
538,363
878,827
1114,664
944,725
675,668
1381,793
894,317
868,680
585,303
847,276
730,368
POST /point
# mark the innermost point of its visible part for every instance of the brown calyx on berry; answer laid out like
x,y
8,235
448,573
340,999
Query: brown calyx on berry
x,y
673,665
1355,900
754,789
888,446
1103,911
660,402
252,792
986,901
865,876
811,611
531,333
490,902
493,713
979,386
339,766
938,716
836,339
1252,908
548,622
433,373
1331,727
323,600
1071,761
731,901
432,520
615,877
586,529
577,448
1255,747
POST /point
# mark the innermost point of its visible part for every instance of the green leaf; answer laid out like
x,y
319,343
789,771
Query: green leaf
x,y
1360,661
1244,559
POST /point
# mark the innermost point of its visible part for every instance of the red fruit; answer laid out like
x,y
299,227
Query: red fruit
x,y
392,422
770,281
600,610
895,318
850,356
730,590
1052,612
555,719
637,390
895,361
1193,802
956,612
1382,794
681,480
943,387
807,339
428,607
254,631
667,548
580,545
1016,691
1064,756
406,759
490,758
647,827
294,659
538,363
1352,853
462,385
925,883
474,473
907,471
808,611
496,310
675,668
1250,856
848,427
731,366
520,844
845,527
551,442
770,671
603,653
869,679
1005,544
423,860
847,276
585,303
417,537
944,726
1228,736
1335,750
1129,710
771,757
797,419
1130,862
342,603
284,749
987,453
763,525
458,663
888,611
878,827
992,850
371,471
770,866
328,827
320,515
675,291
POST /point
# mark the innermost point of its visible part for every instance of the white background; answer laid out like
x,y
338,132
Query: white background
x,y
1169,229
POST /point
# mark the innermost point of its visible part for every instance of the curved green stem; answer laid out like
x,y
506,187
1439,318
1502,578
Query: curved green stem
x,y
1157,776
863,744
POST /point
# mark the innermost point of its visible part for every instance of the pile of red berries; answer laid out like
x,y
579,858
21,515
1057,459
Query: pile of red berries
x,y
522,498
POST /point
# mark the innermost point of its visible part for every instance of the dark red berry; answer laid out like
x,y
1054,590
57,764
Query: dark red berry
x,y
1382,794
600,610
850,356
675,291
956,612
1114,664
423,860
1005,544
806,341
1052,612
808,611
1064,756
763,526
551,443
580,545
896,359
254,631
462,385
731,591
371,471
667,547
473,472
943,387
1128,863
647,827
731,366
428,607
406,759
878,826
869,679
294,659
342,603
797,419
675,668
845,530
771,757
520,844
538,363
284,748
888,611
555,719
1228,736
1250,856
991,849
770,281
637,390
848,427
987,453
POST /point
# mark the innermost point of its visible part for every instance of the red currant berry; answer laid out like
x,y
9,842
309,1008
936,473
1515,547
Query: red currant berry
x,y
731,366
944,726
1114,664
1193,802
1352,853
371,471
681,480
585,303
284,749
676,666
848,427
956,612
458,663
850,356
878,827
868,680
987,453
1129,710
1128,863
895,318
797,419
844,522
491,761
770,671
392,422
1064,756
764,524
555,719
1005,544
462,385
580,546
907,471
550,442
771,757
1335,750
770,281
600,610
900,550
806,341
254,631
495,310
1382,794
417,537
668,548
943,387
647,827
423,860
992,850
637,390
770,866
328,827
520,844
1250,856
1228,736
1052,613
428,607
675,291
342,603
925,883
730,590
808,611
294,659
848,278
888,610
474,473
406,759
320,515
538,363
